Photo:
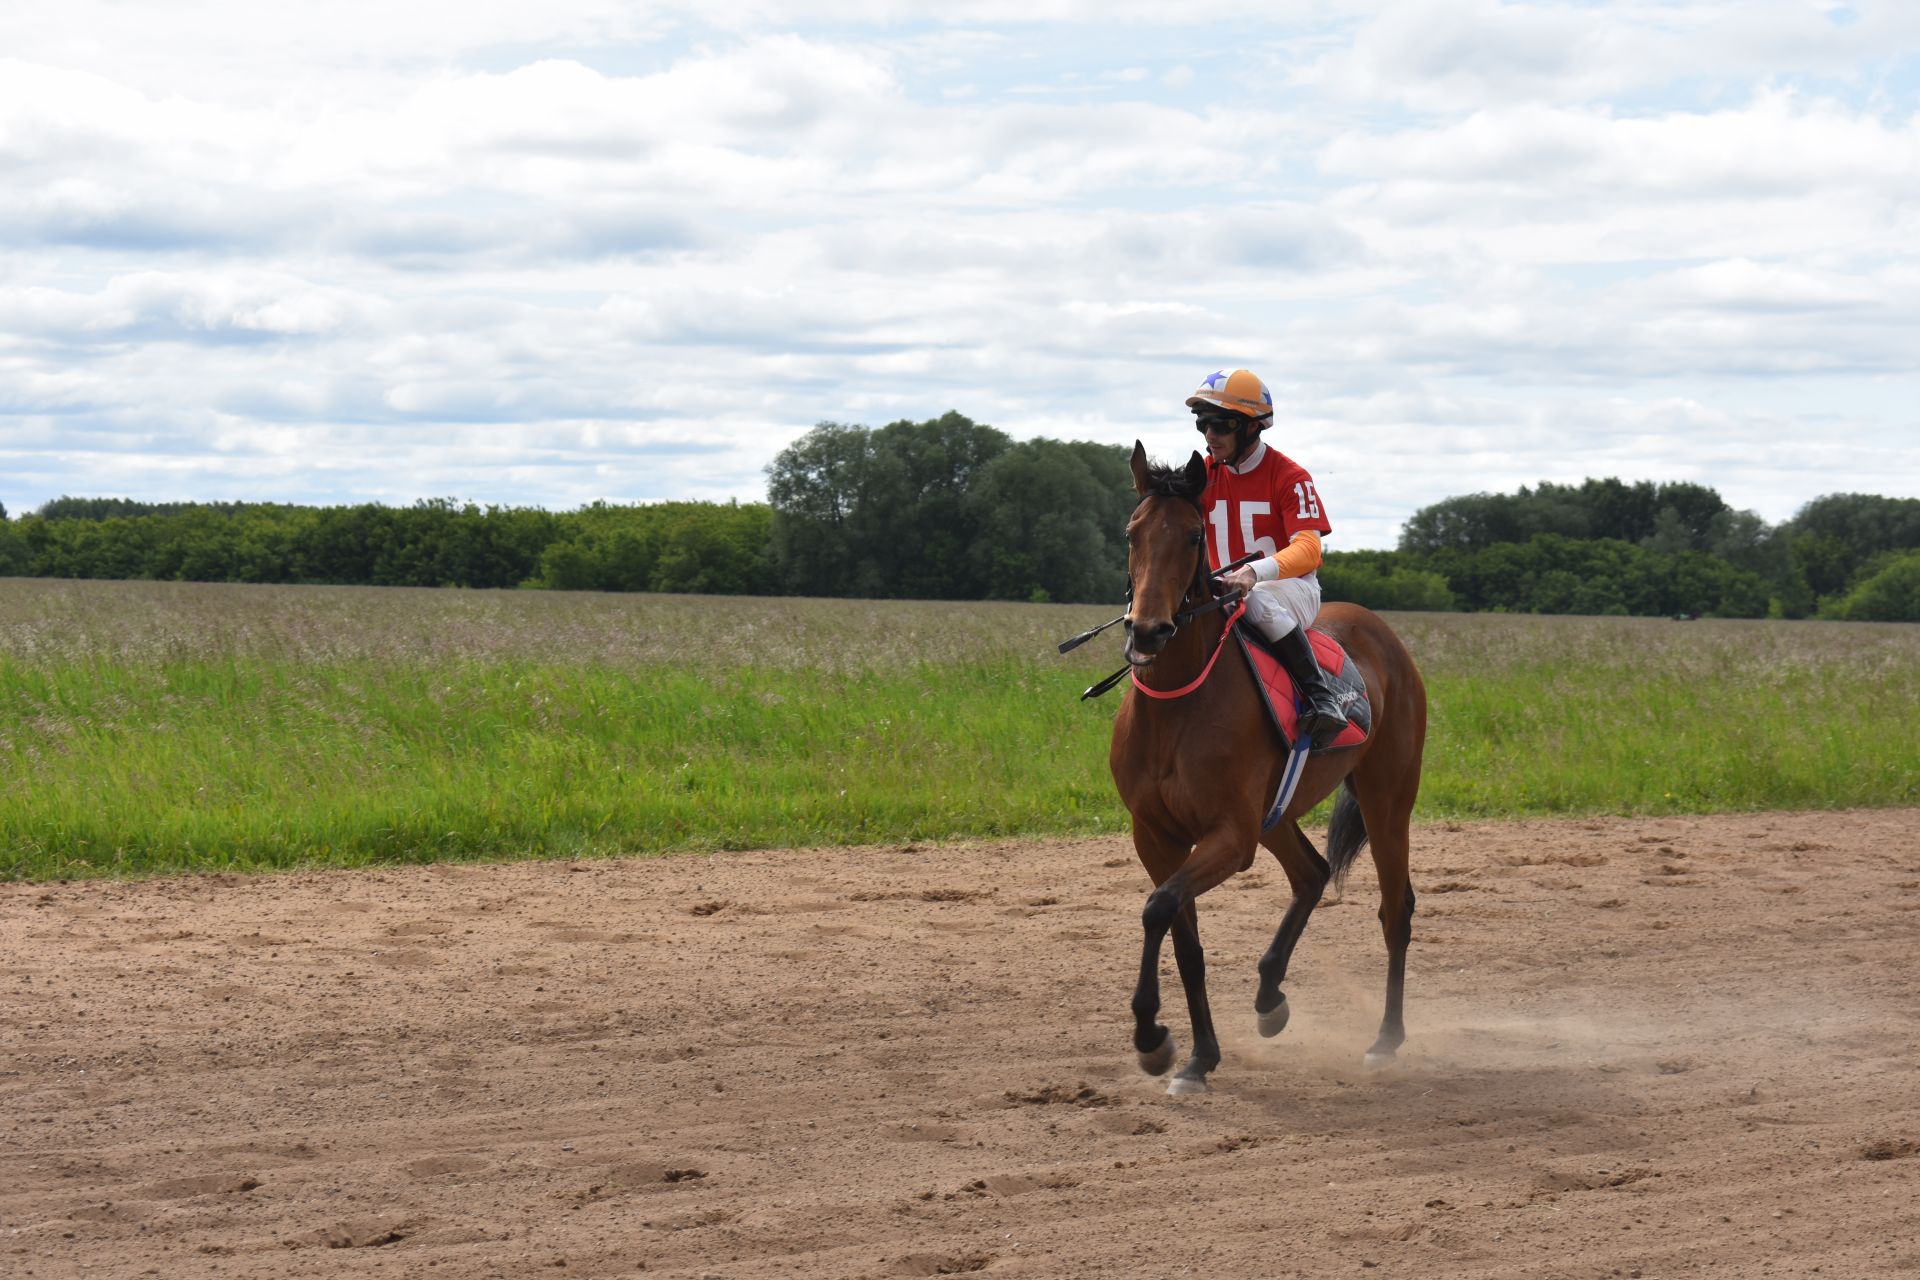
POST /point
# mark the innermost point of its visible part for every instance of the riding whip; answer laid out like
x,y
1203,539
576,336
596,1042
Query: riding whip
x,y
1067,646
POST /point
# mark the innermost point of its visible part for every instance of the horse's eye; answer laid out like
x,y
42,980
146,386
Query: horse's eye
x,y
1199,536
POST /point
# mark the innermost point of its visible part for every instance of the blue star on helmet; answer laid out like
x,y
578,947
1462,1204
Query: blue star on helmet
x,y
1214,379
1266,395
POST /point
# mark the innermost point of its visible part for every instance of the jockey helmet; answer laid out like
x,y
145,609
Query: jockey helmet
x,y
1237,392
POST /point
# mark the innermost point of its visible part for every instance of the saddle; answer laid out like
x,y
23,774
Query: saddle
x,y
1276,687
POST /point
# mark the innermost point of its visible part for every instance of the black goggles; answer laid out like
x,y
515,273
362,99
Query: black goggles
x,y
1217,424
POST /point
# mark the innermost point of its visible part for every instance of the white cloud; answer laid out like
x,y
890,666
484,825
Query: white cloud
x,y
1741,284
1778,145
162,305
591,250
1459,56
1447,55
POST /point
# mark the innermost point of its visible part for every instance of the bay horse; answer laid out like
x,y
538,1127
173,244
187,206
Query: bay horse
x,y
1199,771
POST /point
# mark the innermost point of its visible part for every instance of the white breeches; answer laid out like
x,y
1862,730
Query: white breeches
x,y
1279,606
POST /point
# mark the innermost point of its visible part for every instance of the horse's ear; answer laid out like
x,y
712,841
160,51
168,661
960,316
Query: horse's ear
x,y
1139,463
1196,474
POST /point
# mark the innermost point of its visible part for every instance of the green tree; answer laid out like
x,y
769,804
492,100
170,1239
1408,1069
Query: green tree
x,y
1744,540
1866,522
816,485
1051,520
1890,592
1680,516
1554,574
1822,561
916,502
1833,540
1465,523
1383,580
1670,533
16,559
714,549
1618,510
703,547
345,543
880,513
1694,509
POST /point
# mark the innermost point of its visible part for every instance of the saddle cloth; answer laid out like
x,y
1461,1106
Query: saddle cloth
x,y
1276,686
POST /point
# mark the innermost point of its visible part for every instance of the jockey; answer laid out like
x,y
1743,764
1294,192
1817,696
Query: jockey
x,y
1258,499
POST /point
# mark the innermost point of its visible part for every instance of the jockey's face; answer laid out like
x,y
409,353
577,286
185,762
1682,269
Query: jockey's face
x,y
1226,433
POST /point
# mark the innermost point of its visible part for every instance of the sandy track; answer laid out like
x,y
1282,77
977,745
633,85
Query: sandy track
x,y
1657,1047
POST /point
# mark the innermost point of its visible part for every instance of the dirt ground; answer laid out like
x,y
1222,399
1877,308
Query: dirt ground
x,y
1637,1048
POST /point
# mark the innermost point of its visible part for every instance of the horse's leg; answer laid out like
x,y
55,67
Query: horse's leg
x,y
1153,1042
1387,823
1193,976
1170,908
1307,874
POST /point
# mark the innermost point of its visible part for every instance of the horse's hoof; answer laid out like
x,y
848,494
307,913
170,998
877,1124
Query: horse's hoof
x,y
1383,1050
1274,1020
1181,1086
1158,1062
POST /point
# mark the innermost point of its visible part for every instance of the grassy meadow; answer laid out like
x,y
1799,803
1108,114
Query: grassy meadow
x,y
154,727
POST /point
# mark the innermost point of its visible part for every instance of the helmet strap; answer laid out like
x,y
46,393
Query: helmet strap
x,y
1244,438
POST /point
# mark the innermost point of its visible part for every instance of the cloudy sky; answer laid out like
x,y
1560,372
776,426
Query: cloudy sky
x,y
543,254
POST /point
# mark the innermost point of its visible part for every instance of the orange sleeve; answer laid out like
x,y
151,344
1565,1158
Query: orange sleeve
x,y
1300,557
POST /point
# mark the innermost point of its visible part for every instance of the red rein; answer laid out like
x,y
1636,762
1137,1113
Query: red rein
x,y
1200,679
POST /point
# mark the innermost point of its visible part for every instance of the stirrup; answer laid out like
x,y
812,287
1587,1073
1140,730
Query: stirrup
x,y
1320,718
1320,726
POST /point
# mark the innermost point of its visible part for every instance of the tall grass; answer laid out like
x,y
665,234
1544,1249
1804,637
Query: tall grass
x,y
152,727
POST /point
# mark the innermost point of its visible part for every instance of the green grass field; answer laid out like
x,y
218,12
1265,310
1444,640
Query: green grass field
x,y
155,727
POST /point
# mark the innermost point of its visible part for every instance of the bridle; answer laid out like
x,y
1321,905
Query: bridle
x,y
1200,580
1199,588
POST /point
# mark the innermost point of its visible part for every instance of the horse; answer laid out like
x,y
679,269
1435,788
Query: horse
x,y
1198,771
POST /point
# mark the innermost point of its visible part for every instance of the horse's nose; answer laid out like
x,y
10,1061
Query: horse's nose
x,y
1150,638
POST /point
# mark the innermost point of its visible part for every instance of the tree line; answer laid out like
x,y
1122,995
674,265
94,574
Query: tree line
x,y
953,509
1608,546
669,546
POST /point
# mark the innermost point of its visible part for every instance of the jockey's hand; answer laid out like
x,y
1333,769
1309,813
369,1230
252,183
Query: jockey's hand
x,y
1240,580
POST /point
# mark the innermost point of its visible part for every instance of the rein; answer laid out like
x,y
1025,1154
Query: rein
x,y
1218,602
1200,580
1239,607
1200,575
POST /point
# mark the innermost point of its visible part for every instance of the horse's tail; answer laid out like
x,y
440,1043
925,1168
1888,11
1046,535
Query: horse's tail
x,y
1346,834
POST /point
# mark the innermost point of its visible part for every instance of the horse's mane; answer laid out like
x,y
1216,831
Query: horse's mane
x,y
1167,481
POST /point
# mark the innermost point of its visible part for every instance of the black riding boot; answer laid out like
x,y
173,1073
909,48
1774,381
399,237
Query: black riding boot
x,y
1322,720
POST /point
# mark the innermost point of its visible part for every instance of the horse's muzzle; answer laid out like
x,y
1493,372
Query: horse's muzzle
x,y
1144,642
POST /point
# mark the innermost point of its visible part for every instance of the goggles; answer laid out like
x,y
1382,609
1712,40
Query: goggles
x,y
1217,424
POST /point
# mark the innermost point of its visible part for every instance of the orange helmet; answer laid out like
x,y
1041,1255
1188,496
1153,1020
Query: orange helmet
x,y
1237,392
